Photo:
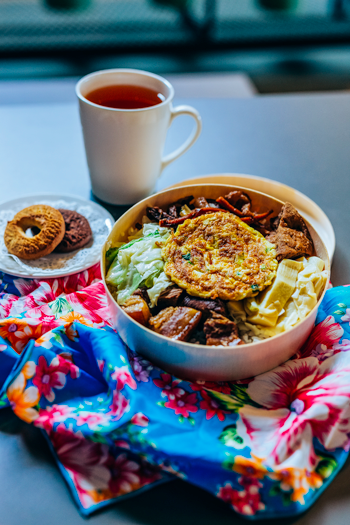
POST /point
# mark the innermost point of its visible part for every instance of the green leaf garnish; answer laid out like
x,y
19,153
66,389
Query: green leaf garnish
x,y
110,256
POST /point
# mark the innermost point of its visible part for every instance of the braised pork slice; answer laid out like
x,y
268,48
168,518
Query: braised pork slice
x,y
201,202
177,323
292,237
220,331
138,309
170,297
204,305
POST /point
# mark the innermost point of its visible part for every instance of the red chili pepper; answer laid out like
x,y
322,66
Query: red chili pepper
x,y
225,204
192,215
261,216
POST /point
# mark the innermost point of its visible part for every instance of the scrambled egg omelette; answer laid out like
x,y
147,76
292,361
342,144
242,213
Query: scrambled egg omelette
x,y
218,255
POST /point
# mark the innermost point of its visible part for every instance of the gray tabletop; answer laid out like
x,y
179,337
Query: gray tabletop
x,y
300,140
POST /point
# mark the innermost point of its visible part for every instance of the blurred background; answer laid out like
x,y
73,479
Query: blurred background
x,y
276,46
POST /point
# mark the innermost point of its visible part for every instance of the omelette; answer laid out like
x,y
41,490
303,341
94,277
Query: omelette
x,y
219,256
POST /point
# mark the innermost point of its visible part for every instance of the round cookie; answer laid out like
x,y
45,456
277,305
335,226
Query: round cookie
x,y
78,231
50,223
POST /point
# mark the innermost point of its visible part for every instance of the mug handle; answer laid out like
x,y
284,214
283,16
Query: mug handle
x,y
175,112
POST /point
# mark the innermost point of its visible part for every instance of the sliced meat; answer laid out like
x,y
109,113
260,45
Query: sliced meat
x,y
204,305
142,292
274,222
183,201
220,331
156,214
263,227
138,309
201,202
170,297
289,217
175,208
177,323
172,211
239,200
292,237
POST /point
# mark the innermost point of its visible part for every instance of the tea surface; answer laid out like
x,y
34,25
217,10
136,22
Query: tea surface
x,y
125,97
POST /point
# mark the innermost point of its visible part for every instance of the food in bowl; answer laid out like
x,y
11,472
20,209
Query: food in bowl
x,y
216,272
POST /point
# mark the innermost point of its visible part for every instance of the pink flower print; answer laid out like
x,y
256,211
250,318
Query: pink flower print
x,y
184,404
43,315
64,363
123,377
77,281
140,419
7,305
327,333
54,414
90,303
212,407
119,406
251,484
346,317
25,286
48,377
169,387
3,347
246,501
225,492
322,352
302,400
122,444
40,296
344,346
101,364
124,475
141,368
93,420
85,462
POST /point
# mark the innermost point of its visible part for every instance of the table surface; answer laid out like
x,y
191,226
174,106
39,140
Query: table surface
x,y
301,140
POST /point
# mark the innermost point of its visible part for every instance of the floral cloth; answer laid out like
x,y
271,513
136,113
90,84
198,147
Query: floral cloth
x,y
117,424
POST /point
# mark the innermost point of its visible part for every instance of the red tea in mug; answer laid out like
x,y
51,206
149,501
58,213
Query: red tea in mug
x,y
125,97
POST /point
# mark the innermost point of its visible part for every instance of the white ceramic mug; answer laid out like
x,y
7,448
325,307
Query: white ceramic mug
x,y
124,147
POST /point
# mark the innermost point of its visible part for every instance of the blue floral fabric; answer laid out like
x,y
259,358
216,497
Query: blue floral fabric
x,y
117,424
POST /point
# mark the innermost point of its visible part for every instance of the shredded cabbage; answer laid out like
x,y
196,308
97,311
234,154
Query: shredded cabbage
x,y
140,263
